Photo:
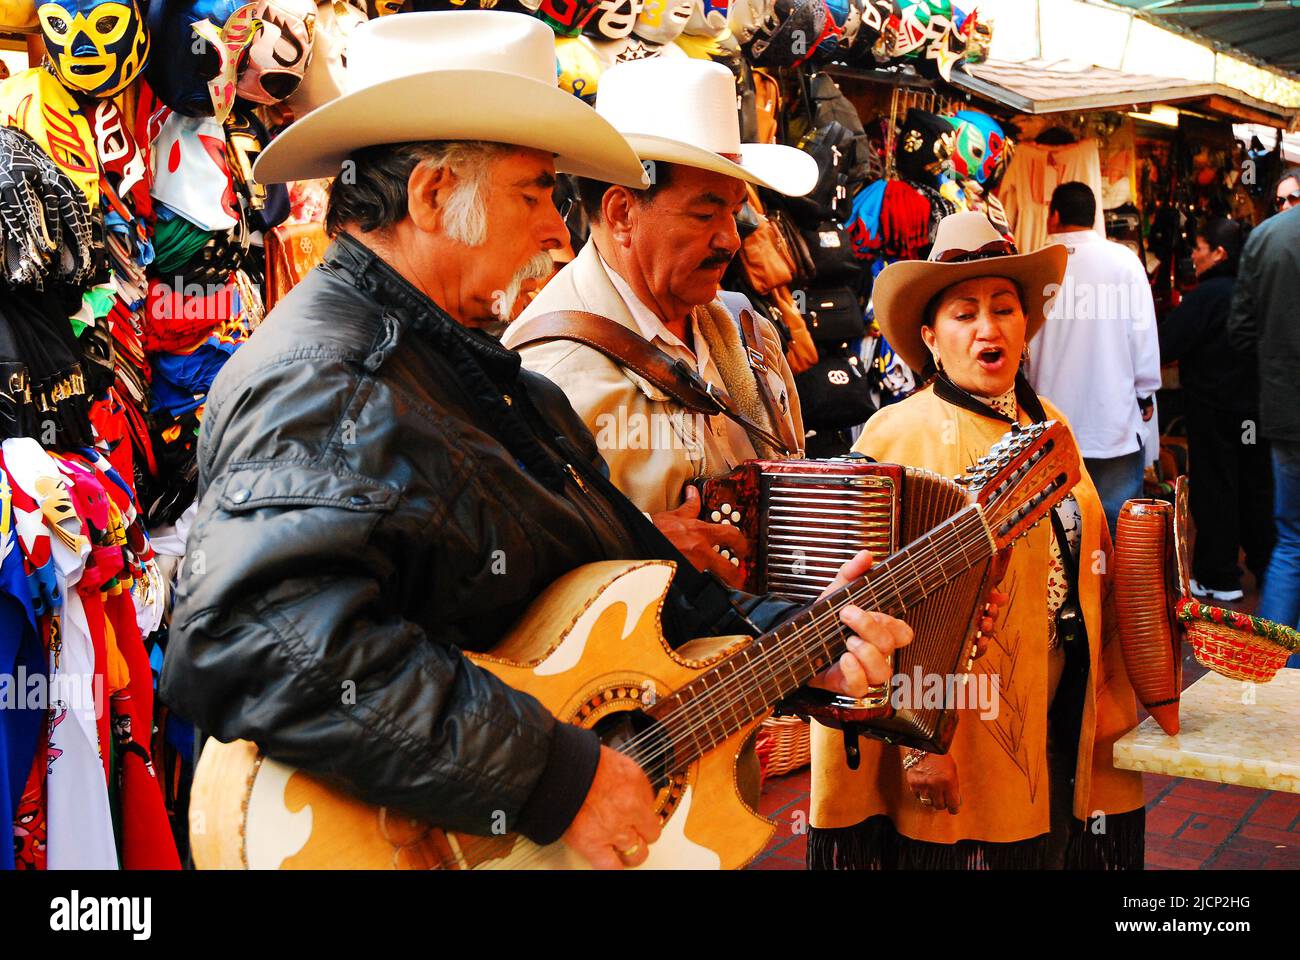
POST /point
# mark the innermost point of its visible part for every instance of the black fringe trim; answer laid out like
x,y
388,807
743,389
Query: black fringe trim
x,y
1118,844
876,844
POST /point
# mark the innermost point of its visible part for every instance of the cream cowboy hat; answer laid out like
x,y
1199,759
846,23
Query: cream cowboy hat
x,y
684,111
966,246
455,75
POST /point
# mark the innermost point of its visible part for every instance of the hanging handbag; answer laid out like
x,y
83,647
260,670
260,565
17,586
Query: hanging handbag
x,y
835,393
832,254
834,314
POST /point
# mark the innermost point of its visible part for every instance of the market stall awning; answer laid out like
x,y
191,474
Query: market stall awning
x,y
1039,86
1265,31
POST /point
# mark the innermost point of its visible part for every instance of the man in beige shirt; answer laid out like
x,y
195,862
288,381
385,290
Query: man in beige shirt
x,y
653,264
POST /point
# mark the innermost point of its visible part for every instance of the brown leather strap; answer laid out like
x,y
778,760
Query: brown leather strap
x,y
629,349
751,336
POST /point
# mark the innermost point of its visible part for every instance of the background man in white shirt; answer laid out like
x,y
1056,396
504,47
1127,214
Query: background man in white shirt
x,y
1098,356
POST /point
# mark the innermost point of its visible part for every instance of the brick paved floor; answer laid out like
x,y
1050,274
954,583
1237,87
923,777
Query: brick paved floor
x,y
1191,824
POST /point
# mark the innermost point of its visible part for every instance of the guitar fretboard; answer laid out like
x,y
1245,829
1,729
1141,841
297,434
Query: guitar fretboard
x,y
743,687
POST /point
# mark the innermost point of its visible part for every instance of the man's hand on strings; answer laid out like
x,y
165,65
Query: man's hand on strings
x,y
869,661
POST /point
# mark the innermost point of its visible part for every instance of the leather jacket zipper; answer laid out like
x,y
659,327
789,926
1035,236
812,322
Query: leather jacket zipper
x,y
594,500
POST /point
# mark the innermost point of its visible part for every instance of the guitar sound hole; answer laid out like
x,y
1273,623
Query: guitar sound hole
x,y
618,730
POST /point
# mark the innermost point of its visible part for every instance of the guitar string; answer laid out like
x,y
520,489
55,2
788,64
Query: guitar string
x,y
954,531
955,536
705,708
964,533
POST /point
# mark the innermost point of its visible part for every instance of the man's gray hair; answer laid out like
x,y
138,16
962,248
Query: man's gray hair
x,y
370,192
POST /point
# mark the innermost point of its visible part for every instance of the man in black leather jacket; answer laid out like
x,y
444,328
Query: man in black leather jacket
x,y
382,487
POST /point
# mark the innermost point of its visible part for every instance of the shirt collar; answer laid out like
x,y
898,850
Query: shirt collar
x,y
1074,237
648,324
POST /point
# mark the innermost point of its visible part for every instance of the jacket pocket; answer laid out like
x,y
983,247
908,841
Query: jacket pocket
x,y
251,486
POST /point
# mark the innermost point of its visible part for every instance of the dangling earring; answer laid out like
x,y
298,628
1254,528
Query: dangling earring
x,y
938,361
1024,354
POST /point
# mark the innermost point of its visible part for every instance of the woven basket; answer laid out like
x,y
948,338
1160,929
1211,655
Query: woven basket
x,y
783,746
1237,645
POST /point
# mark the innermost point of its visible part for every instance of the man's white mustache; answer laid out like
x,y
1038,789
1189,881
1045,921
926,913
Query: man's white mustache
x,y
537,268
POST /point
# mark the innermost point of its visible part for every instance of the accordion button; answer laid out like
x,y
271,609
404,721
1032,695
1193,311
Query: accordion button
x,y
726,553
735,516
726,508
715,516
735,561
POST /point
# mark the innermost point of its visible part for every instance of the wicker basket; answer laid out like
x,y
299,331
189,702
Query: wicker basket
x,y
783,746
1237,645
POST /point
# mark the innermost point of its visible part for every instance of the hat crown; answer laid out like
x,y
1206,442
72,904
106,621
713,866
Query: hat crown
x,y
388,48
963,231
690,101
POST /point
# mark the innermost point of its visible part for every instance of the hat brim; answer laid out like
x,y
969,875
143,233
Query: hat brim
x,y
902,291
453,105
784,169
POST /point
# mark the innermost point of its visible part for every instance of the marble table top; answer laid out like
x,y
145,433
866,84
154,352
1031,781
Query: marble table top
x,y
1231,732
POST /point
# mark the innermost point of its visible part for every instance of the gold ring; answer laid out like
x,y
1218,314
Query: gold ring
x,y
925,801
631,851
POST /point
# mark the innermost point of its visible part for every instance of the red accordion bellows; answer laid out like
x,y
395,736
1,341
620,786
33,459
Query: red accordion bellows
x,y
1149,633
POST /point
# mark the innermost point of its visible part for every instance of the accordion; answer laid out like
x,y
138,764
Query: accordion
x,y
804,518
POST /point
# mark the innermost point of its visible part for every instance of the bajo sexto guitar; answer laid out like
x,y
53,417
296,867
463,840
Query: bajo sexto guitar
x,y
591,649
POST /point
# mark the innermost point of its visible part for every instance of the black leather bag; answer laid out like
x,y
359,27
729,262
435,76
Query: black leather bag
x,y
830,146
832,255
835,394
833,314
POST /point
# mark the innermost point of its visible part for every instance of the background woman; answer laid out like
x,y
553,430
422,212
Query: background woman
x,y
1029,783
1230,474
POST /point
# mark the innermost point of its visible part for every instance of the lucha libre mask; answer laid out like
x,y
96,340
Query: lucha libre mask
x,y
613,19
979,145
326,75
278,56
744,17
579,66
662,21
96,47
187,74
567,17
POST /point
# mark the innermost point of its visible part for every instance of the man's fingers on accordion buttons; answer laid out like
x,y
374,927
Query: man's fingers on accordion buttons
x,y
725,535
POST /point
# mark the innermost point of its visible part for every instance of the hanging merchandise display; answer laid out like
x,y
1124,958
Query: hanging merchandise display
x,y
35,102
323,77
662,21
614,19
192,174
45,222
185,73
580,66
96,47
280,52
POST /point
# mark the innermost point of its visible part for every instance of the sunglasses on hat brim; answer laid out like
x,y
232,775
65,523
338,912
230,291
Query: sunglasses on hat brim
x,y
994,248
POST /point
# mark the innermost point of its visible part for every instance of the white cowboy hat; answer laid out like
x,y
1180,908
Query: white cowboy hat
x,y
684,111
454,75
966,246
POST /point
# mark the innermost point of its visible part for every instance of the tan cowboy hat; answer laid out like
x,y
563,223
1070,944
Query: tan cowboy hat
x,y
966,246
684,111
454,75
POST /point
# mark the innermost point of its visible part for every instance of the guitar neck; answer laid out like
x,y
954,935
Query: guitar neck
x,y
743,687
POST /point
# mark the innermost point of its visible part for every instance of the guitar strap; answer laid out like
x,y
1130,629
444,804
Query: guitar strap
x,y
674,377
